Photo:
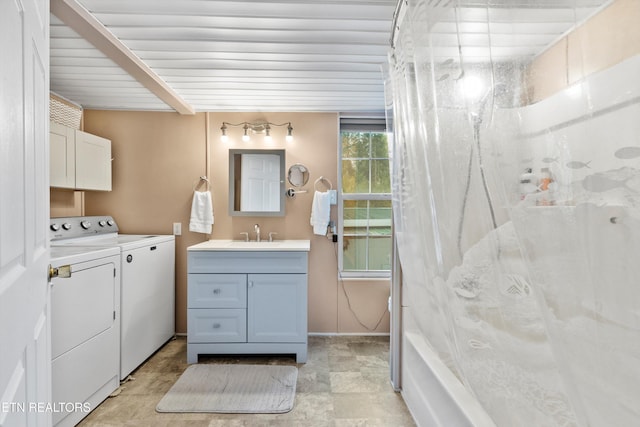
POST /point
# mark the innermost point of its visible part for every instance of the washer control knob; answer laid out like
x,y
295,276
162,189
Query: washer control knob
x,y
85,225
66,226
102,223
54,227
110,222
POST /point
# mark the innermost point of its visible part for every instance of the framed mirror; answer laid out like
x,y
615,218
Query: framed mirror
x,y
256,182
298,175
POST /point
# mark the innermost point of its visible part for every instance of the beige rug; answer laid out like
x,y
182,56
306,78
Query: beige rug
x,y
232,389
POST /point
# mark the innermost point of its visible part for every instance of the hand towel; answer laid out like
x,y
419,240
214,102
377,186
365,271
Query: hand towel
x,y
320,212
201,212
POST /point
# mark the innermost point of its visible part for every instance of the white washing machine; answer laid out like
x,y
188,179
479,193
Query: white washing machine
x,y
147,282
85,330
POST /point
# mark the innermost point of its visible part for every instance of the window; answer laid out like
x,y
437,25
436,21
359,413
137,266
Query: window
x,y
365,213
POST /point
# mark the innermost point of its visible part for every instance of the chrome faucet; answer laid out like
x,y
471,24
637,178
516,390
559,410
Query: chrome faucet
x,y
256,227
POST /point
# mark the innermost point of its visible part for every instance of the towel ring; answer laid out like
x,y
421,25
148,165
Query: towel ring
x,y
197,183
323,180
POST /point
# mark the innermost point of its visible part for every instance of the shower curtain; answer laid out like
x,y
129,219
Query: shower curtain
x,y
516,195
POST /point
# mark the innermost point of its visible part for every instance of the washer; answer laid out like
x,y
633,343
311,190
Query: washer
x,y
85,330
147,282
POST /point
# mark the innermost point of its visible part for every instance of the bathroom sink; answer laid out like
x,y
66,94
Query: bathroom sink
x,y
241,245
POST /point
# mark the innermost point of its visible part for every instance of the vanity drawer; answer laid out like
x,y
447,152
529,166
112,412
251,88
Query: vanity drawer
x,y
217,291
217,325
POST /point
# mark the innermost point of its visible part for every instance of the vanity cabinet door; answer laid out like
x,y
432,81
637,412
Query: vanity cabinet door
x,y
277,308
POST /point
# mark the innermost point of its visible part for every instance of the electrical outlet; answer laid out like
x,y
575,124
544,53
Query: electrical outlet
x,y
177,228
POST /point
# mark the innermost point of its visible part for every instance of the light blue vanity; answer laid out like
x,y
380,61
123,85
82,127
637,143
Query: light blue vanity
x,y
247,297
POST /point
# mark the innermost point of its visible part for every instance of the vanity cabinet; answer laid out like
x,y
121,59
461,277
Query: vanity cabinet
x,y
78,160
244,302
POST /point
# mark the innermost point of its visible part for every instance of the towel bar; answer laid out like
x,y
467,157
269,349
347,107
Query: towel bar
x,y
197,183
323,180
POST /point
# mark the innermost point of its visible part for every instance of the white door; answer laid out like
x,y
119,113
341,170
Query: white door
x,y
25,350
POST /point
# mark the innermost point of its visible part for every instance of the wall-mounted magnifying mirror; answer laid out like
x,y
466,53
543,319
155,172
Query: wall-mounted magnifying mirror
x,y
298,175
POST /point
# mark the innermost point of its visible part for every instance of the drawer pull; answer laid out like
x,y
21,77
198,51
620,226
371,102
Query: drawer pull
x,y
217,291
216,326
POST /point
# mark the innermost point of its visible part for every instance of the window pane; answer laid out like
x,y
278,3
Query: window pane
x,y
354,253
380,179
348,176
355,145
355,217
379,145
379,253
355,176
380,217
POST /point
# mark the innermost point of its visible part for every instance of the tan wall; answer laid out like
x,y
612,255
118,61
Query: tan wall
x,y
158,158
604,40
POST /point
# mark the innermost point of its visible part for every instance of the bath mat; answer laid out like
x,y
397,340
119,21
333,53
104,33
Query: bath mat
x,y
251,389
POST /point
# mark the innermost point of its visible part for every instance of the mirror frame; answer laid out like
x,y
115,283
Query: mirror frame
x,y
232,189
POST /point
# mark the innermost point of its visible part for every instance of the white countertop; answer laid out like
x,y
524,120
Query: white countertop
x,y
241,245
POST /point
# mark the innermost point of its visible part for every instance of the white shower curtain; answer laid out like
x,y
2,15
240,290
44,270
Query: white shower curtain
x,y
525,284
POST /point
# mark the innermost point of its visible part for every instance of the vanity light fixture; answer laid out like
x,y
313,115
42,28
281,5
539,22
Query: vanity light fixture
x,y
257,127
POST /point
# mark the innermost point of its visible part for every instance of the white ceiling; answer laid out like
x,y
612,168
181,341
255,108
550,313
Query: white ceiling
x,y
286,55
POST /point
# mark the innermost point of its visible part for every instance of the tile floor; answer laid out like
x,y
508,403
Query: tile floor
x,y
345,383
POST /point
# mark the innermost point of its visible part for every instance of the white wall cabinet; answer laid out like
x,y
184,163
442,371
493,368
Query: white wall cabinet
x,y
79,160
243,302
62,156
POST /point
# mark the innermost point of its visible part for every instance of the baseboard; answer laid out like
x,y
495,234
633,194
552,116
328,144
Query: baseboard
x,y
349,334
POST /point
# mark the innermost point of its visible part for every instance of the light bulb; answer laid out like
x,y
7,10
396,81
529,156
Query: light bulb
x,y
245,137
267,137
224,138
289,137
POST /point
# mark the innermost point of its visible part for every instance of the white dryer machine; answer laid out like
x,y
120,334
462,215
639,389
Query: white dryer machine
x,y
85,330
147,282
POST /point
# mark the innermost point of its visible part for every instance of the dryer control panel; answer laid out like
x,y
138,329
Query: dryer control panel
x,y
81,226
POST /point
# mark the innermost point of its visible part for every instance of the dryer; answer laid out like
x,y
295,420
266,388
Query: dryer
x,y
147,282
85,331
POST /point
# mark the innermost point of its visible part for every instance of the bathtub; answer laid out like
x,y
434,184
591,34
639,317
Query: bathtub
x,y
434,395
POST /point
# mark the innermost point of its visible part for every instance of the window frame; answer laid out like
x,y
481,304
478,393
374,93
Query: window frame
x,y
342,197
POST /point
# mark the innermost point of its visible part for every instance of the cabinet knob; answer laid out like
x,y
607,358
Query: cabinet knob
x,y
251,284
216,326
217,291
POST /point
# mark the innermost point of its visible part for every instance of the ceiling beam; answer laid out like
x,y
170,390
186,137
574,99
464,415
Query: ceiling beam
x,y
86,25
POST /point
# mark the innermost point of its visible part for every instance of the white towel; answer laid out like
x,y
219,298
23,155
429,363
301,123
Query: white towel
x,y
320,212
201,212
